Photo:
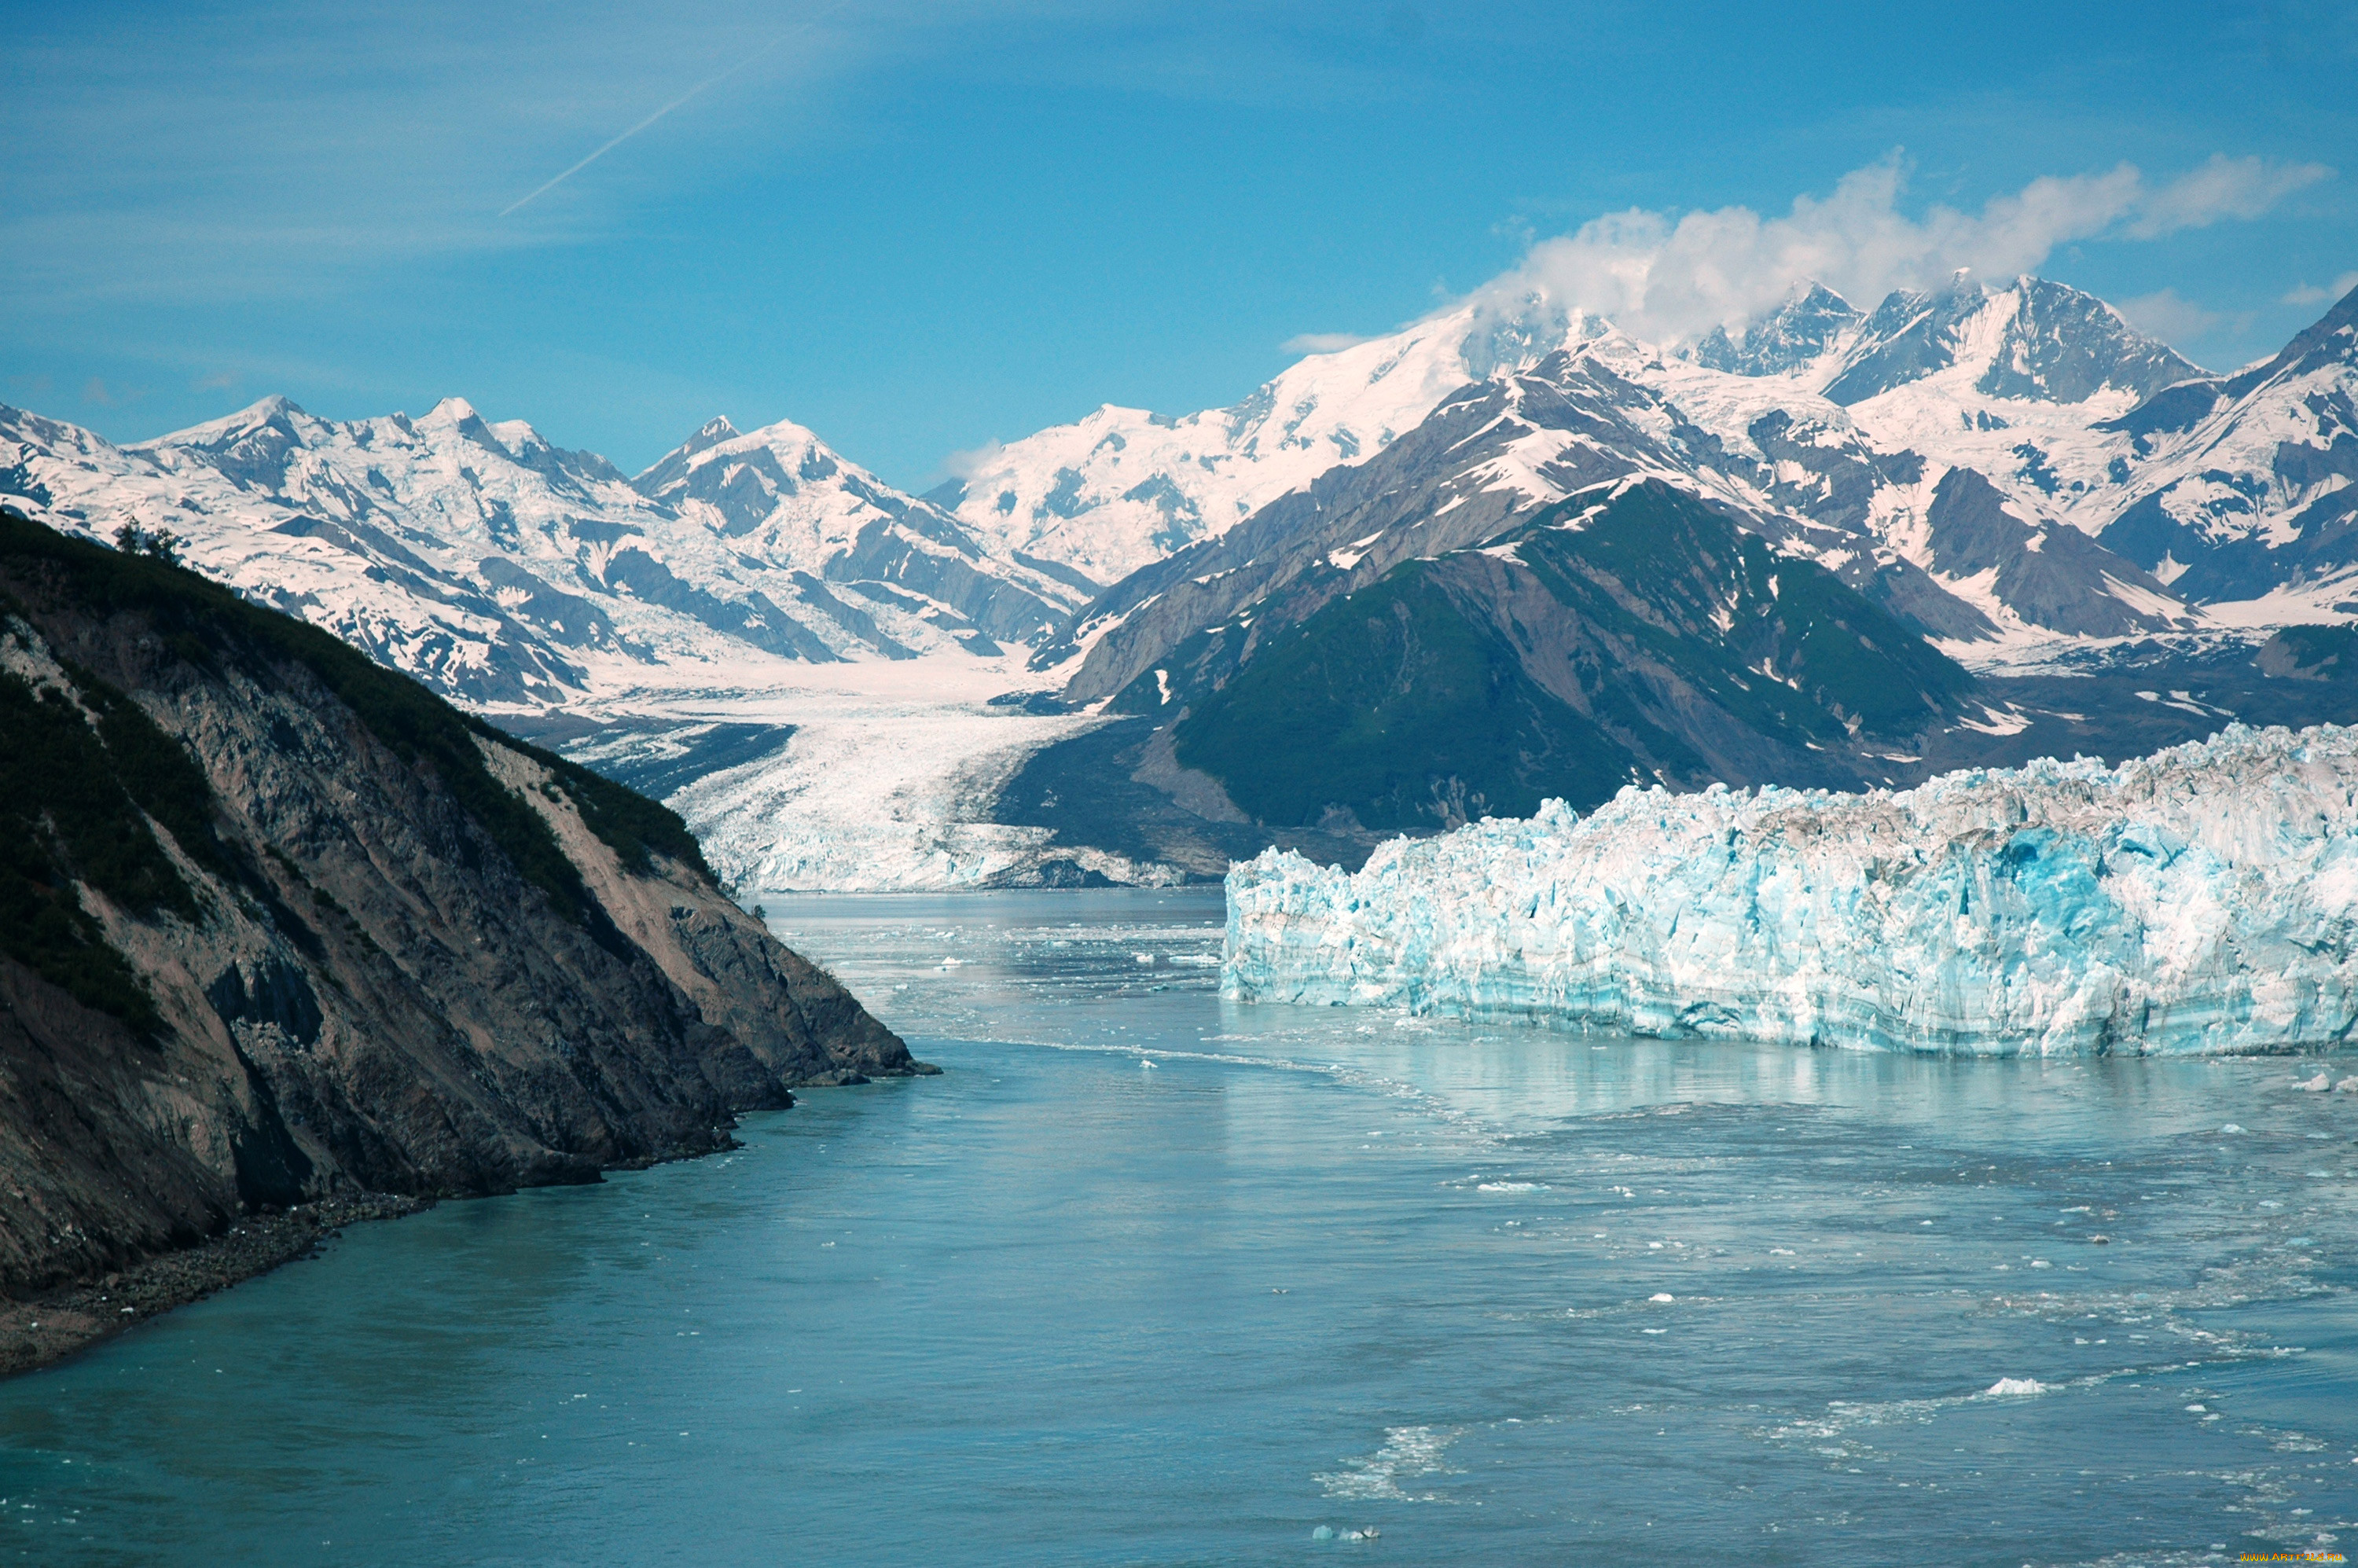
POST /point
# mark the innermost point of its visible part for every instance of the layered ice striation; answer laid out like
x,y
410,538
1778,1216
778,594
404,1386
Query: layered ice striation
x,y
2201,899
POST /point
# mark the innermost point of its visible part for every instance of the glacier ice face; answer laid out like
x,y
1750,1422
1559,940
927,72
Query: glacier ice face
x,y
2201,899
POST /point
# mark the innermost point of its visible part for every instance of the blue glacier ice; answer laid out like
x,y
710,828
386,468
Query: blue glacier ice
x,y
2204,899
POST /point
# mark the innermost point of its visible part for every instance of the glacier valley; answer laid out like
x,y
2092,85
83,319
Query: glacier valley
x,y
1047,672
2203,900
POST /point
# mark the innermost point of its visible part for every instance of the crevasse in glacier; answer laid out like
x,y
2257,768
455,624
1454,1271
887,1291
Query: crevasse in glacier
x,y
2204,899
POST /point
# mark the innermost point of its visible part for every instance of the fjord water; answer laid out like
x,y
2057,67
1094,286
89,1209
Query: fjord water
x,y
1149,1278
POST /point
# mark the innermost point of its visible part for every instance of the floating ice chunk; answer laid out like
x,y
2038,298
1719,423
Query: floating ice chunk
x,y
2347,1086
2231,1127
2007,1387
1323,1532
2316,1085
1661,1296
2201,899
1509,1187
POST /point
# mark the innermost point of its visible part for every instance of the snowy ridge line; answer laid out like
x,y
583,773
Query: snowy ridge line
x,y
2203,900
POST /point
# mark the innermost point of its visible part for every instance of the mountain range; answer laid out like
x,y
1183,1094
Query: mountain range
x,y
509,572
2007,474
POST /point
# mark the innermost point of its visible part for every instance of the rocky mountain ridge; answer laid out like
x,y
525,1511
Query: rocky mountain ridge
x,y
1994,564
2022,382
514,574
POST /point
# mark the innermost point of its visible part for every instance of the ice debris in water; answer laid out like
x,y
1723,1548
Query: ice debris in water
x,y
2005,1387
2201,899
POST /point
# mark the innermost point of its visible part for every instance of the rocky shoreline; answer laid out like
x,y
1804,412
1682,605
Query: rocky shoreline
x,y
280,929
49,1327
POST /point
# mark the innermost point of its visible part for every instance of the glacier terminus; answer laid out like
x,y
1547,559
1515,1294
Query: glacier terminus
x,y
2203,900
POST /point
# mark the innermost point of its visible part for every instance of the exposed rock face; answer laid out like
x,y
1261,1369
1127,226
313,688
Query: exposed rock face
x,y
1638,636
276,923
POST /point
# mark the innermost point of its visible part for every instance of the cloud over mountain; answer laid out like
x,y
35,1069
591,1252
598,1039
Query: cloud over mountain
x,y
1670,278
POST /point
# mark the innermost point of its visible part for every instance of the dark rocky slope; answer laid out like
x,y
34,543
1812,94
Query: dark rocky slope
x,y
1641,639
1632,634
277,926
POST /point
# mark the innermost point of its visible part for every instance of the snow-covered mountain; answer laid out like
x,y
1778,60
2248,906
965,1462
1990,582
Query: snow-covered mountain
x,y
512,573
2245,488
1950,457
1984,434
1978,560
1122,487
2007,468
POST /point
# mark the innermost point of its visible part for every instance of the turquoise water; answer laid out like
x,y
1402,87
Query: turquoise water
x,y
1310,1270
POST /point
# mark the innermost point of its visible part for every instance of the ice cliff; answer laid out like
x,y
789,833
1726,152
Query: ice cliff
x,y
2204,899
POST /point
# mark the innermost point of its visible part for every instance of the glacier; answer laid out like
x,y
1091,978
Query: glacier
x,y
2201,899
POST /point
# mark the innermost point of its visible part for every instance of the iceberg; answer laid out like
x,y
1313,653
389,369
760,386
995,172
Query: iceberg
x,y
2201,899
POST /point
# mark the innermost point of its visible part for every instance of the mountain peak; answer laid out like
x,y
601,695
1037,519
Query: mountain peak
x,y
269,418
784,433
2344,312
1811,321
2032,338
793,455
262,411
2332,338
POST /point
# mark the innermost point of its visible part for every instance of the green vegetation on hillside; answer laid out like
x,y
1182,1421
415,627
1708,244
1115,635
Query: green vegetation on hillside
x,y
1658,569
2327,650
66,817
1397,705
1652,630
208,625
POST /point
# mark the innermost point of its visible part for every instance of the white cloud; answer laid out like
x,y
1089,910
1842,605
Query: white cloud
x,y
2310,294
2167,317
1321,342
965,465
2222,188
1670,279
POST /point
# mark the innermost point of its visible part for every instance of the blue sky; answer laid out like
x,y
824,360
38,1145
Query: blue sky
x,y
917,229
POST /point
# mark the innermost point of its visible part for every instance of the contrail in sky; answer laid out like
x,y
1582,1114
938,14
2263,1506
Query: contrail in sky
x,y
712,80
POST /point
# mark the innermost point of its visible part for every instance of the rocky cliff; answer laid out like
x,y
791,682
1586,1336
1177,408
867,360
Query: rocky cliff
x,y
278,925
